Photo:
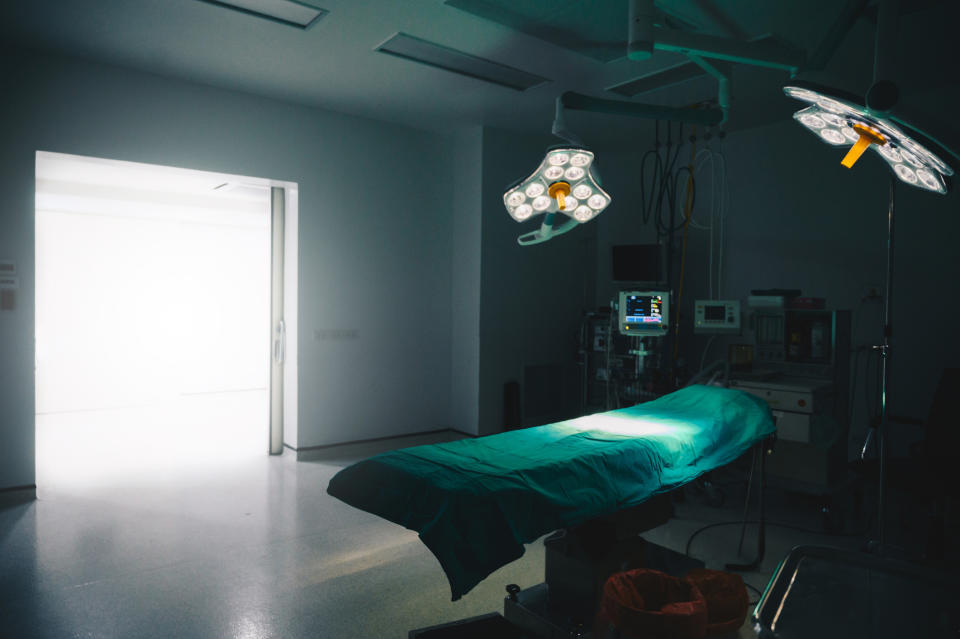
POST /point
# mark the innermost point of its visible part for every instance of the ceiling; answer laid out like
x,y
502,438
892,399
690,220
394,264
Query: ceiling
x,y
334,64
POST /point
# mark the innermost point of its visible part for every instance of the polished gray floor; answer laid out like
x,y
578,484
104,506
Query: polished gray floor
x,y
257,549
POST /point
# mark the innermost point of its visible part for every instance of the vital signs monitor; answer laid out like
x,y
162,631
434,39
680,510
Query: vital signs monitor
x,y
644,313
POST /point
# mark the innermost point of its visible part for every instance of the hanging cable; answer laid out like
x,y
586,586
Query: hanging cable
x,y
668,191
688,209
646,205
724,195
706,349
713,203
704,156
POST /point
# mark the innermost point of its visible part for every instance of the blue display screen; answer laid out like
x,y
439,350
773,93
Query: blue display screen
x,y
644,309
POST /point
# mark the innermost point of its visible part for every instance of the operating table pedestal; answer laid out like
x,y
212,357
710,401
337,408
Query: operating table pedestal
x,y
579,561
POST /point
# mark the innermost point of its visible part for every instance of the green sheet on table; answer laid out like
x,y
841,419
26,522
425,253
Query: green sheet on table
x,y
475,502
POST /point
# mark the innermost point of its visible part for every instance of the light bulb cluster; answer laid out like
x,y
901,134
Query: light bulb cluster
x,y
835,120
570,165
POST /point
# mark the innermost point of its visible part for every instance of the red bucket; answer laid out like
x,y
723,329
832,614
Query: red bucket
x,y
726,597
650,604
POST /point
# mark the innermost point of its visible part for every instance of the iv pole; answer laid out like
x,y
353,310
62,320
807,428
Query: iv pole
x,y
882,96
885,353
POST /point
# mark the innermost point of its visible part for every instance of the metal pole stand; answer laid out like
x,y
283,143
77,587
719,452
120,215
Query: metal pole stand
x,y
878,546
760,453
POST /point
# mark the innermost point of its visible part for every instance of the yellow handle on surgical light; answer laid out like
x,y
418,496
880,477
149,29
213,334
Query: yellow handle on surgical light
x,y
559,191
867,137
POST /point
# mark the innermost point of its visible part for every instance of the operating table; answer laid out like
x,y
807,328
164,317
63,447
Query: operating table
x,y
475,502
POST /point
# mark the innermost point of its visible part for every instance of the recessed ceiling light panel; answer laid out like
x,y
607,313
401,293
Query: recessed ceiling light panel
x,y
435,55
290,12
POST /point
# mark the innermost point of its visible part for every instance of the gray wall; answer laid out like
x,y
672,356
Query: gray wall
x,y
465,279
374,229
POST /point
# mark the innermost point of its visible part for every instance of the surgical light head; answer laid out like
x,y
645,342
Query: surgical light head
x,y
566,184
842,122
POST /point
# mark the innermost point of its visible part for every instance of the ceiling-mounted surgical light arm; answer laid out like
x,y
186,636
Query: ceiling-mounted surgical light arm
x,y
845,20
580,102
723,72
645,36
884,45
559,127
546,231
883,97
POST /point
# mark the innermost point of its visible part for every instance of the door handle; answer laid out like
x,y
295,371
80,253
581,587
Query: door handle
x,y
280,343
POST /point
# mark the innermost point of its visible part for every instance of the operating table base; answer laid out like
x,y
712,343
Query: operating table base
x,y
565,606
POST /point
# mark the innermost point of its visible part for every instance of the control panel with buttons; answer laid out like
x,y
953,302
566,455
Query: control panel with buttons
x,y
716,316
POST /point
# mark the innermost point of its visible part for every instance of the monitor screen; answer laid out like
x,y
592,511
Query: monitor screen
x,y
644,309
715,312
637,263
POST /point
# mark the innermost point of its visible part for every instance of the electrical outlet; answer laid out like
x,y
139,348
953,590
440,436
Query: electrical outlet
x,y
7,300
873,293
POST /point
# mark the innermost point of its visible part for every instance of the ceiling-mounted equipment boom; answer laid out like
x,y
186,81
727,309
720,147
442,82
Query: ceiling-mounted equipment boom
x,y
713,54
580,102
645,36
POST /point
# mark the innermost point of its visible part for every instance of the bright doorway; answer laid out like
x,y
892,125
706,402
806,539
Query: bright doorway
x,y
153,319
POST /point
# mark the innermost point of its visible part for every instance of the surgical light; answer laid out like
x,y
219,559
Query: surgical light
x,y
891,154
522,212
597,202
850,133
565,184
534,190
911,158
559,191
516,198
832,119
580,159
553,172
813,121
832,136
905,173
929,179
841,122
583,213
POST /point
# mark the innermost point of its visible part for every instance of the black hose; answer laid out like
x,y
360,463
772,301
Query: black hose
x,y
645,203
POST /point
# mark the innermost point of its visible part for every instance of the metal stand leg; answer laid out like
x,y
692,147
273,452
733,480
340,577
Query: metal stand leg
x,y
761,452
885,350
746,502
